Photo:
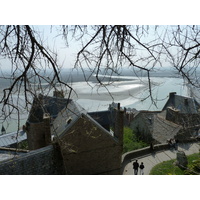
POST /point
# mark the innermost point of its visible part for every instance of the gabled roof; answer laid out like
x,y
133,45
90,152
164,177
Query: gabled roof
x,y
87,117
70,115
65,113
164,129
160,128
182,103
66,117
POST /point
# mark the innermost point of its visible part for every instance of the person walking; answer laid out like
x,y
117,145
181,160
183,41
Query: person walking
x,y
141,168
135,167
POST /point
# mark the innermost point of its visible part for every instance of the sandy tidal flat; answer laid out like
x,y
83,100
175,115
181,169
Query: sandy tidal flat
x,y
116,91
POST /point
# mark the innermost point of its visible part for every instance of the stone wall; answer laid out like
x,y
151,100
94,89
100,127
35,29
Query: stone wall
x,y
86,148
44,161
127,157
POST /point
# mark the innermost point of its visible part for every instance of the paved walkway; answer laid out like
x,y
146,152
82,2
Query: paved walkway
x,y
153,159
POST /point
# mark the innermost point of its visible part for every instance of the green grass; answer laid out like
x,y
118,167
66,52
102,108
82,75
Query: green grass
x,y
168,168
131,142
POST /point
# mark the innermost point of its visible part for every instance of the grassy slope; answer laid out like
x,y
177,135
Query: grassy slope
x,y
168,168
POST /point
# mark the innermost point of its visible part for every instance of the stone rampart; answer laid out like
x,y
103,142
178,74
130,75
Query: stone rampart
x,y
44,161
143,152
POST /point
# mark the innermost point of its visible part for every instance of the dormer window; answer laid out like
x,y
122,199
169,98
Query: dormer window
x,y
68,121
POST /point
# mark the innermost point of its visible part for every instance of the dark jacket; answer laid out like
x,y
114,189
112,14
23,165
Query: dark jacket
x,y
141,166
135,165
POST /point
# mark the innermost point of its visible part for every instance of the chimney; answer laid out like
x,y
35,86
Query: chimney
x,y
172,98
119,124
47,128
172,94
58,93
39,134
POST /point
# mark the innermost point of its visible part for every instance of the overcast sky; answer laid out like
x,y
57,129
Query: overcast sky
x,y
52,38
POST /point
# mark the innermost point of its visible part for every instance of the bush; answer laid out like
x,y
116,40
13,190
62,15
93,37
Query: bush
x,y
23,145
131,142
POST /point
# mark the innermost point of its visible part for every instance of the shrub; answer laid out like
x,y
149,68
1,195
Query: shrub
x,y
131,142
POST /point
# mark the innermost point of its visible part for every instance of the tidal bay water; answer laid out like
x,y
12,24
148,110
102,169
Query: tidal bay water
x,y
129,91
133,93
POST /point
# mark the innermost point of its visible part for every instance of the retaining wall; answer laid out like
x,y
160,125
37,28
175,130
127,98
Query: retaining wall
x,y
127,157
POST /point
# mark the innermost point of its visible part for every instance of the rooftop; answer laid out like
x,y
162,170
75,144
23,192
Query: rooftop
x,y
160,128
45,104
12,138
182,103
66,116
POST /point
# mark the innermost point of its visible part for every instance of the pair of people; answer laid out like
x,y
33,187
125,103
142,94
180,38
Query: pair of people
x,y
136,166
173,143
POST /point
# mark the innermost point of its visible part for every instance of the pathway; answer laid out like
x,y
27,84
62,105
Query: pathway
x,y
151,160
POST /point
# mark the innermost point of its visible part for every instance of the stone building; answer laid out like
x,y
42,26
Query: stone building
x,y
86,146
153,128
185,105
179,118
43,111
183,111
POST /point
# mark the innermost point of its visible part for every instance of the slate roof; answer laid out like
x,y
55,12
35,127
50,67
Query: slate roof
x,y
164,129
46,104
66,127
66,117
182,103
160,129
70,115
64,113
102,117
12,138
